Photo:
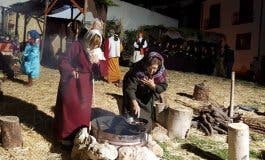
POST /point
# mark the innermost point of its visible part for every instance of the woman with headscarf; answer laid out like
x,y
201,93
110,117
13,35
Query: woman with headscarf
x,y
31,57
143,84
74,97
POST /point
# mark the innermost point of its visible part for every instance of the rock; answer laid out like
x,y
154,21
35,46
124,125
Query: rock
x,y
100,151
136,152
88,148
154,147
159,133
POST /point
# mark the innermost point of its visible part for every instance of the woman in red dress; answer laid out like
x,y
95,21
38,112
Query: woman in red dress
x,y
74,98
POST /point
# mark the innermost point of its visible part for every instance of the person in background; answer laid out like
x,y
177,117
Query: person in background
x,y
15,46
97,24
253,69
30,63
74,97
142,85
96,51
229,59
73,29
219,69
112,53
140,46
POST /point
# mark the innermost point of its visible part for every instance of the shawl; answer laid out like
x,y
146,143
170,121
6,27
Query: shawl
x,y
139,69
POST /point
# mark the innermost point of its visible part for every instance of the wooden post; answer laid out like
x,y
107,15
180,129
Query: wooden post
x,y
16,26
179,121
238,141
231,109
26,21
10,132
72,12
3,18
84,11
44,29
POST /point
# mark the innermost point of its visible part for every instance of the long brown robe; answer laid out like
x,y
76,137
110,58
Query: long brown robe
x,y
74,98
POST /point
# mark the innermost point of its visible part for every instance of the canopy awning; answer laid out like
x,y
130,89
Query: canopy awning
x,y
38,7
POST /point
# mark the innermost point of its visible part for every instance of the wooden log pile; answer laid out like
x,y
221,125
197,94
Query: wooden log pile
x,y
214,119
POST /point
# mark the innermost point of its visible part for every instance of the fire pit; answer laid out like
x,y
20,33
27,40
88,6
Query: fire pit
x,y
117,131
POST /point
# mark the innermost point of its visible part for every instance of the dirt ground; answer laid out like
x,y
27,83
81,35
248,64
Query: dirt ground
x,y
34,108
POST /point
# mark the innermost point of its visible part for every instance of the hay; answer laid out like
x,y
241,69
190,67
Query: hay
x,y
34,106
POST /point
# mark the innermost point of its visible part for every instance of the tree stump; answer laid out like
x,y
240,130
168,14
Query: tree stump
x,y
201,92
10,131
179,121
238,141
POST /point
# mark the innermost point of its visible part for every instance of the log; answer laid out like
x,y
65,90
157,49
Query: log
x,y
179,121
256,123
238,141
10,132
201,92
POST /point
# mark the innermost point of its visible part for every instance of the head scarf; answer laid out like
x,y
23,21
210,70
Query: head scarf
x,y
140,68
34,34
111,33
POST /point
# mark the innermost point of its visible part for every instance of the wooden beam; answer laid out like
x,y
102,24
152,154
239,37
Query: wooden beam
x,y
38,19
85,10
77,15
27,19
77,6
16,28
44,30
48,9
41,30
72,12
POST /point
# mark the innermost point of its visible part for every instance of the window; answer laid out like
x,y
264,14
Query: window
x,y
246,11
243,41
214,17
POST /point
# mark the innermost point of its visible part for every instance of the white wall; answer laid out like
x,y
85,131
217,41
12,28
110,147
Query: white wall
x,y
131,16
243,58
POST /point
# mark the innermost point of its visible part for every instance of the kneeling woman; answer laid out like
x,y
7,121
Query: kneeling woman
x,y
142,84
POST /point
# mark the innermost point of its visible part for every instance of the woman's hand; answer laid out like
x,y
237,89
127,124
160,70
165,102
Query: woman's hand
x,y
149,82
136,108
93,57
75,74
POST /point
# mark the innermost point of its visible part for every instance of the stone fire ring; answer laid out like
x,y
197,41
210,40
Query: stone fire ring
x,y
117,131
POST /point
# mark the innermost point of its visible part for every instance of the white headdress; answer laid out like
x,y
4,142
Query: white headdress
x,y
89,35
96,51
